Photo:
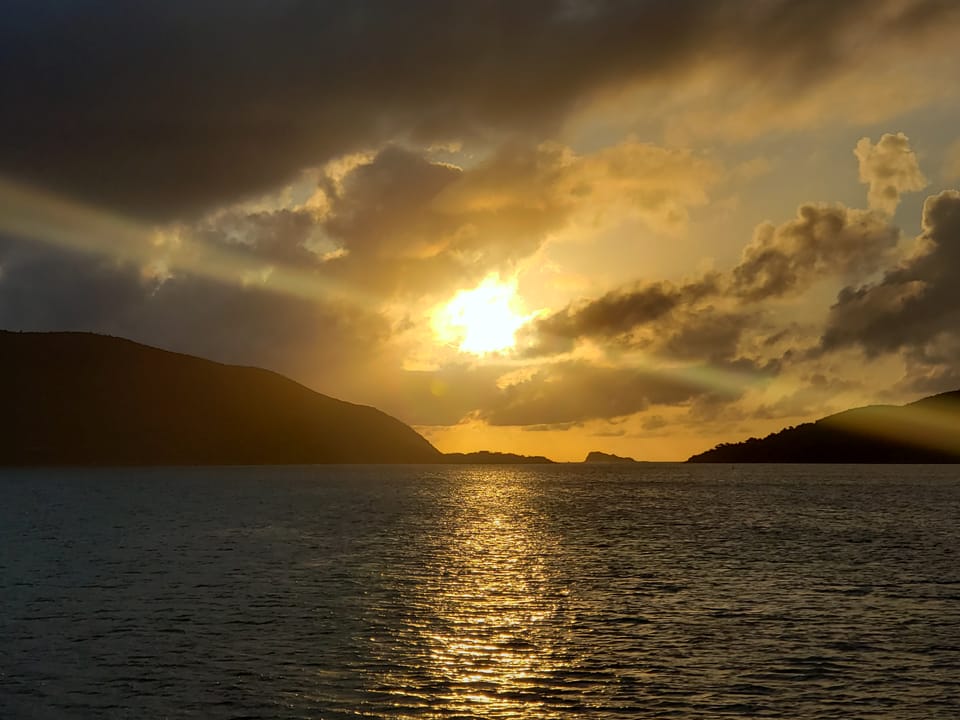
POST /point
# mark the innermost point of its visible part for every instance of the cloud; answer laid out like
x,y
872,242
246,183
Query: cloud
x,y
578,391
781,260
615,314
653,423
815,394
931,368
288,235
44,288
890,168
167,110
726,318
383,208
575,391
822,240
704,334
848,64
667,325
914,302
402,223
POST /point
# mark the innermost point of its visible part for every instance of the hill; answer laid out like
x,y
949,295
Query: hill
x,y
485,457
85,399
926,431
596,456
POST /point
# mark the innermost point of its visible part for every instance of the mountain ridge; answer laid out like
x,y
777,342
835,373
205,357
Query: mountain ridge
x,y
75,398
924,431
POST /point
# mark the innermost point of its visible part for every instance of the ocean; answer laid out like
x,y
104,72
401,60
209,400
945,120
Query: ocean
x,y
566,591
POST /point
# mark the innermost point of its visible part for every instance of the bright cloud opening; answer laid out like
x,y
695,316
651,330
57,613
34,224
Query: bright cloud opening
x,y
482,320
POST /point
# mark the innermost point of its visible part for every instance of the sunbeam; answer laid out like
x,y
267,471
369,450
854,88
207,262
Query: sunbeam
x,y
42,216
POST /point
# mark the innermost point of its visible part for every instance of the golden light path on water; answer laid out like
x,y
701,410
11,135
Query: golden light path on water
x,y
493,609
486,630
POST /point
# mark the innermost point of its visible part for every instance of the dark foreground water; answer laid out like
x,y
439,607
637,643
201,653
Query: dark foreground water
x,y
522,592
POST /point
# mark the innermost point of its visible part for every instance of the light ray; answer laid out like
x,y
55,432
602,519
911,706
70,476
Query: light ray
x,y
41,216
929,424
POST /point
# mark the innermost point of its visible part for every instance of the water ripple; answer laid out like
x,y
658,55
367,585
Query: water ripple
x,y
481,592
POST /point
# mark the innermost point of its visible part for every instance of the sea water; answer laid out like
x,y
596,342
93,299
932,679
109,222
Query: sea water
x,y
567,591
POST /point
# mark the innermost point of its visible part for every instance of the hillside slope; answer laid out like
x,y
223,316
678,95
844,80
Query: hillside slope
x,y
926,431
85,399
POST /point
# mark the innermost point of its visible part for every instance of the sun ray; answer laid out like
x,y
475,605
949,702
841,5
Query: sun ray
x,y
41,216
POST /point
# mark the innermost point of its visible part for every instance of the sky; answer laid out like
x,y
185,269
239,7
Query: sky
x,y
538,227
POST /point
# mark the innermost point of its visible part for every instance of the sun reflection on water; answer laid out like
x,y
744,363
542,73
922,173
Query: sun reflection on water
x,y
484,623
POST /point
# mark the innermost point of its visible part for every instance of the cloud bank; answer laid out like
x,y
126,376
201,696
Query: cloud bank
x,y
167,110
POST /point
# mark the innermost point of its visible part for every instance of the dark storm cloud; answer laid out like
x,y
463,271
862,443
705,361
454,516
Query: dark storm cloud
x,y
167,109
914,303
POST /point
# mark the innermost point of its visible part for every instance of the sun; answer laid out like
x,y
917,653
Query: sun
x,y
482,320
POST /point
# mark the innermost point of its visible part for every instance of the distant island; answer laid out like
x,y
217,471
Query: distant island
x,y
601,457
925,431
87,399
492,458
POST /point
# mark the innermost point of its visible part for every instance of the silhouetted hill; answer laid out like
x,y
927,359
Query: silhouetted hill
x,y
596,456
84,399
926,431
485,457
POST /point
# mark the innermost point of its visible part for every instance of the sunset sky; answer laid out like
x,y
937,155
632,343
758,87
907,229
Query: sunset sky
x,y
539,227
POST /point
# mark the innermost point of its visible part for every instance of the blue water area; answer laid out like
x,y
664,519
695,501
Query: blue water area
x,y
569,591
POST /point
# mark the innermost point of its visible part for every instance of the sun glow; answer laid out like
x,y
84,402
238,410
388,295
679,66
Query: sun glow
x,y
482,320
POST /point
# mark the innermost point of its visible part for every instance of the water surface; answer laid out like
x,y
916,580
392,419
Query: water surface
x,y
490,592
